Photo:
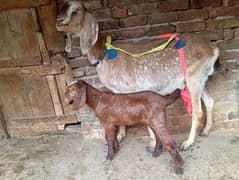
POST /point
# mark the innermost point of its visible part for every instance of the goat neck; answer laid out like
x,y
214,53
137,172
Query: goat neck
x,y
93,96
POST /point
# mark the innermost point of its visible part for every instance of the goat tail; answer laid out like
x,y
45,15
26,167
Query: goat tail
x,y
172,97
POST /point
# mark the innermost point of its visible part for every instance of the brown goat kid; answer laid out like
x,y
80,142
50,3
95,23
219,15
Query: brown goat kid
x,y
114,110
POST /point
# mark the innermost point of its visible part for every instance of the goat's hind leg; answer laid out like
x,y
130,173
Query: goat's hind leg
x,y
158,148
195,92
170,146
122,133
209,104
152,142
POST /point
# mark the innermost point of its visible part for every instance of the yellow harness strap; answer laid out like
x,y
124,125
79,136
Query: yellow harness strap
x,y
108,46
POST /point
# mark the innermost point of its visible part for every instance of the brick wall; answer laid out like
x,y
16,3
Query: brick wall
x,y
218,20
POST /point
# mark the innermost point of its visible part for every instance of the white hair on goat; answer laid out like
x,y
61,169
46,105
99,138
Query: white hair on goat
x,y
72,82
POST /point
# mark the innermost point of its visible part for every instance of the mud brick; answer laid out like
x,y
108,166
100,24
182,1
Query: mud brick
x,y
171,5
90,71
79,62
228,34
235,123
224,96
108,24
222,23
128,2
226,107
210,35
193,14
161,29
221,85
119,12
230,2
128,33
157,18
224,56
236,33
102,13
224,11
204,3
233,115
226,76
226,45
79,72
140,9
93,4
133,21
230,65
222,125
191,26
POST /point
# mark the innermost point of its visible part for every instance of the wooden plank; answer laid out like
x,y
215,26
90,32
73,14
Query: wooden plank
x,y
7,50
54,95
3,123
39,96
47,17
50,79
18,38
15,101
11,4
7,63
42,70
19,62
41,125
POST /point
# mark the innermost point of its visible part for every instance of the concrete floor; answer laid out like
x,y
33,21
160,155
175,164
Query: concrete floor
x,y
68,156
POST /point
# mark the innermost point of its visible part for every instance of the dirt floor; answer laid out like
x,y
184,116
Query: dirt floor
x,y
68,156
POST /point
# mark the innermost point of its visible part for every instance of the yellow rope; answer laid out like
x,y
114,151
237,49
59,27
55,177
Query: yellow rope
x,y
108,46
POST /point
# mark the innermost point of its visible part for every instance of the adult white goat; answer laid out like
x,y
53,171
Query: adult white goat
x,y
160,72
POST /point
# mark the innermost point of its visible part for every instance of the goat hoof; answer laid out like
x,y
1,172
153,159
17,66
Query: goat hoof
x,y
203,134
179,170
109,157
185,146
156,153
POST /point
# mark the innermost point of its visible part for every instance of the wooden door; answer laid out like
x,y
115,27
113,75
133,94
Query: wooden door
x,y
29,92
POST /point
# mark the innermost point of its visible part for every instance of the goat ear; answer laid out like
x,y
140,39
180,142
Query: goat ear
x,y
89,32
80,99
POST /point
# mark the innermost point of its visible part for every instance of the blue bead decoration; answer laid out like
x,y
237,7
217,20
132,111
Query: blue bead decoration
x,y
179,44
111,54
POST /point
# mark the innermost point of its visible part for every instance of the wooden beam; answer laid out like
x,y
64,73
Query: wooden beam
x,y
3,124
47,16
11,4
40,125
50,78
42,70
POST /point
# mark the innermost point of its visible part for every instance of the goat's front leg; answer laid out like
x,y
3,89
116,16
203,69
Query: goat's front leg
x,y
196,115
159,127
110,138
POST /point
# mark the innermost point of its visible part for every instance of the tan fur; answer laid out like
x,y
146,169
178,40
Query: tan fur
x,y
160,72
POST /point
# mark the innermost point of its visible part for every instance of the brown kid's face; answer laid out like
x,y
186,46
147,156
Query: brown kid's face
x,y
75,95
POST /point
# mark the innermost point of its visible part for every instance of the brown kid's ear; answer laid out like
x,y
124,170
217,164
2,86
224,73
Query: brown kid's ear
x,y
89,32
80,99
